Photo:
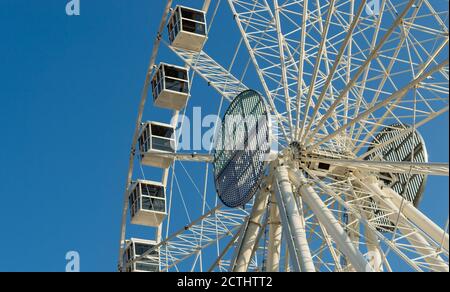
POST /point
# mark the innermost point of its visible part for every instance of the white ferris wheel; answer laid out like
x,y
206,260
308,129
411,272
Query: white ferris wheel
x,y
344,91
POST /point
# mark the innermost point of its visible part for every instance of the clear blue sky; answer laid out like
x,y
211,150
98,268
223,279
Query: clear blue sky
x,y
69,91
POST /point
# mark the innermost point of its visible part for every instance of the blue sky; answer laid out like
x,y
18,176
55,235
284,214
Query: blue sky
x,y
69,93
70,89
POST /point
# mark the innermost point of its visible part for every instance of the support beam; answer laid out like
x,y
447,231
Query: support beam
x,y
405,167
188,157
294,218
250,235
353,231
218,261
416,239
419,219
301,68
365,222
374,253
331,224
275,234
283,66
206,5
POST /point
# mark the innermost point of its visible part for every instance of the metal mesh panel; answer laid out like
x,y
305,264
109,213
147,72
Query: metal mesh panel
x,y
242,142
410,148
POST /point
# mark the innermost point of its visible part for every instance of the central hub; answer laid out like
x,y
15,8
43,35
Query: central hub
x,y
297,150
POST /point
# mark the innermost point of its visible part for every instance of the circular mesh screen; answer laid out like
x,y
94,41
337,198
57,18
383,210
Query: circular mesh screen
x,y
410,148
241,145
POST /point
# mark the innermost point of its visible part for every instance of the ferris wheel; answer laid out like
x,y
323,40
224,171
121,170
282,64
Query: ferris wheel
x,y
328,163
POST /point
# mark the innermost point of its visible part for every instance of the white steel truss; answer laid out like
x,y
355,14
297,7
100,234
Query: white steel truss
x,y
189,241
212,72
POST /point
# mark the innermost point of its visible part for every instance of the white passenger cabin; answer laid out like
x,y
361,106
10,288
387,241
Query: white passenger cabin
x,y
170,87
147,203
187,28
135,248
157,138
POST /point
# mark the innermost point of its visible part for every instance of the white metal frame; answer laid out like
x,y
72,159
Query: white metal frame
x,y
333,77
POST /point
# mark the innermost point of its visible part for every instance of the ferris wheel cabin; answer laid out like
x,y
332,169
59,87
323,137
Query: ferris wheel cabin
x,y
187,29
136,248
147,203
170,86
159,138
